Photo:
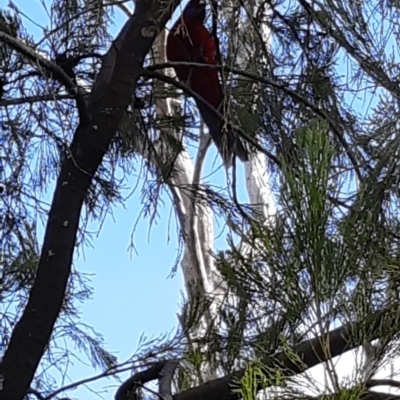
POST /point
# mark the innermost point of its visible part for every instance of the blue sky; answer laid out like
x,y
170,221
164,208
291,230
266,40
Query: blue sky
x,y
132,292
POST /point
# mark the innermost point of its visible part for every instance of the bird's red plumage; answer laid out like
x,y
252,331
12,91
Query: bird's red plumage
x,y
190,41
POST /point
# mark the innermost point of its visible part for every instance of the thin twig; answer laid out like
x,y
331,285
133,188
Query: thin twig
x,y
57,72
74,385
153,74
34,99
296,96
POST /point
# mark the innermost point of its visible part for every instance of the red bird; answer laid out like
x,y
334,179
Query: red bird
x,y
190,41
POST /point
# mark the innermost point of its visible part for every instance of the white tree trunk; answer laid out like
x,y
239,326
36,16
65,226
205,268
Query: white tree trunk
x,y
196,217
258,188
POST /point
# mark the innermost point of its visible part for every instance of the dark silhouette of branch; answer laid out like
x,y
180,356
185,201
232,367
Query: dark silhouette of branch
x,y
311,353
36,393
34,99
165,379
190,92
56,70
265,81
378,396
367,395
382,382
127,391
110,372
112,92
303,356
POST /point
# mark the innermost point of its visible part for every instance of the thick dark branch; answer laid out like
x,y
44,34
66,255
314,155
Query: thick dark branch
x,y
370,395
127,391
311,352
367,395
34,99
165,379
382,382
308,353
107,105
36,393
48,65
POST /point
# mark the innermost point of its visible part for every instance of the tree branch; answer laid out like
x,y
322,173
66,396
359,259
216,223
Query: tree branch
x,y
311,353
127,391
165,379
190,92
74,385
367,395
107,105
382,382
266,81
34,99
57,72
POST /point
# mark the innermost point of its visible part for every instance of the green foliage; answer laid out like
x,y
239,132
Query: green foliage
x,y
331,254
254,376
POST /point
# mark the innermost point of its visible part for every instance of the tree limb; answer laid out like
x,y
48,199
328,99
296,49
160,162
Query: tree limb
x,y
127,391
190,92
74,385
89,145
57,72
165,379
367,395
383,382
34,99
311,353
265,81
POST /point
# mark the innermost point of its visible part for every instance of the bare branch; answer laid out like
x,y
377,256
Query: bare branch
x,y
382,382
34,99
309,353
165,380
57,72
74,385
127,391
368,395
37,394
266,81
122,6
89,145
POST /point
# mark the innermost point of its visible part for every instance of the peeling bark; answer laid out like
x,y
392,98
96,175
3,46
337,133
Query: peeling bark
x,y
195,217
